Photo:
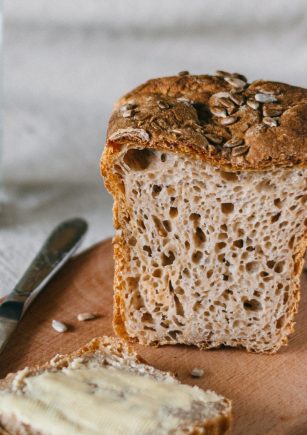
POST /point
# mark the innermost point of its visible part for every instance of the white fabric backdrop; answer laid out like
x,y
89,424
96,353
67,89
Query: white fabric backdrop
x,y
66,62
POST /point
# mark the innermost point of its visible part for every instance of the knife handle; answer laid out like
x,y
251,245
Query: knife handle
x,y
57,249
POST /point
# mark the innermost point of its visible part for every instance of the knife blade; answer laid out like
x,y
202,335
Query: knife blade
x,y
57,249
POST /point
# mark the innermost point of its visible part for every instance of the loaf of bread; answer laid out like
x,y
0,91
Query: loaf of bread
x,y
104,388
208,175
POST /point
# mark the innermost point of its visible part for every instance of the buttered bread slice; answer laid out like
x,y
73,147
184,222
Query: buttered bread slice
x,y
104,388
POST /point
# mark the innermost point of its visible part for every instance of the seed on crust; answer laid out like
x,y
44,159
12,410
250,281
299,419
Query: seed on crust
x,y
128,106
253,104
214,138
128,114
271,122
272,111
218,111
265,98
237,98
228,120
163,105
234,142
235,82
240,150
220,73
183,73
228,104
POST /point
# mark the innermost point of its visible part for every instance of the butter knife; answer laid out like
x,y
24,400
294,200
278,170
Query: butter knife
x,y
57,249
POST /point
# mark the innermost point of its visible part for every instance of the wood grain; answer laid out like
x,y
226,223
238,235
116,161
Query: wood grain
x,y
269,392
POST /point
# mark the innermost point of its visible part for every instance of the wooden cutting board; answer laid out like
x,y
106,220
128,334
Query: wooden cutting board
x,y
269,392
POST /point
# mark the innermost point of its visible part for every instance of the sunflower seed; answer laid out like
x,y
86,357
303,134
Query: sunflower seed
x,y
197,372
185,100
218,111
265,98
234,142
85,316
58,326
220,73
220,95
228,120
272,111
163,104
235,82
128,114
128,106
183,73
228,104
252,104
239,76
214,138
271,122
130,132
237,98
240,150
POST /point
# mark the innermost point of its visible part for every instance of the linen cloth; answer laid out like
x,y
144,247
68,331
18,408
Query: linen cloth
x,y
65,64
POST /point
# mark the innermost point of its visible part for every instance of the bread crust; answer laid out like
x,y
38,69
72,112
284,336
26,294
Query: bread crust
x,y
175,114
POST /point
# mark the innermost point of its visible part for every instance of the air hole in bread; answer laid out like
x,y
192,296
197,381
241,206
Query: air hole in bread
x,y
173,334
187,244
227,207
156,190
147,318
197,256
203,112
238,243
157,273
270,264
252,305
199,237
159,226
291,242
194,217
277,203
264,186
280,322
173,212
275,217
252,266
138,159
168,259
223,236
197,306
147,249
229,176
167,225
219,246
163,157
279,267
179,306
132,241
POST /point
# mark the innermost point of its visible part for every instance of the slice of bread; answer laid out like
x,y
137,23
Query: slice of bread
x,y
208,175
104,388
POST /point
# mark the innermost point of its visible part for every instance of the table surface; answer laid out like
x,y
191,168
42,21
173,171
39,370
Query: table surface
x,y
269,392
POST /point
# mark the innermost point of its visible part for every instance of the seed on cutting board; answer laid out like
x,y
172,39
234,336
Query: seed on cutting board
x,y
85,316
59,326
197,372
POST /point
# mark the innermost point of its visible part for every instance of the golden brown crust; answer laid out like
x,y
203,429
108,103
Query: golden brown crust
x,y
185,114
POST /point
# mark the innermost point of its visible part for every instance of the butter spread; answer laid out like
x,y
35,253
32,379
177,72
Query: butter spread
x,y
101,400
